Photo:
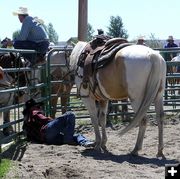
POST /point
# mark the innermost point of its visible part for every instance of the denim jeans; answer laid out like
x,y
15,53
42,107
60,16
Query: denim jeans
x,y
61,130
41,48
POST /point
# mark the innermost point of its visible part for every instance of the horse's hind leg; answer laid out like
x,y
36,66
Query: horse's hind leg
x,y
139,142
160,118
103,105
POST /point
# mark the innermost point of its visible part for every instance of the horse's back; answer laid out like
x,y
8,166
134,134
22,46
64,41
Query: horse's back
x,y
128,71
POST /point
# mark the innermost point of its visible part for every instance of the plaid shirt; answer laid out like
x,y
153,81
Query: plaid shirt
x,y
36,125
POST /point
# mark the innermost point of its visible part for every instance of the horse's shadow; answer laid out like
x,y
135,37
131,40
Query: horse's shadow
x,y
127,158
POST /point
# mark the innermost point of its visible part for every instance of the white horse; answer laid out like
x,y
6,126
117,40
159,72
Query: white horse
x,y
137,72
6,99
176,69
8,81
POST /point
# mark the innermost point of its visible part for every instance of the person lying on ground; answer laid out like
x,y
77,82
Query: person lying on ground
x,y
42,129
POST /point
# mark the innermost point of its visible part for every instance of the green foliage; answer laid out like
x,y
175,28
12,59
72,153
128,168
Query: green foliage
x,y
15,34
116,28
53,36
90,32
4,167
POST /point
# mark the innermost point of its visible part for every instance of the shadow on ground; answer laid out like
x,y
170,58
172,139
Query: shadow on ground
x,y
127,158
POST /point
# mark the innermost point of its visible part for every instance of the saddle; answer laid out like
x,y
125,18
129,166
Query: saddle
x,y
97,54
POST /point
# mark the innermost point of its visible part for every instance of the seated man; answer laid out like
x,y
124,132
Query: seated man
x,y
40,128
33,36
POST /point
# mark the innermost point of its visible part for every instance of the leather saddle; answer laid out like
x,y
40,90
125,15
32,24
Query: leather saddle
x,y
98,53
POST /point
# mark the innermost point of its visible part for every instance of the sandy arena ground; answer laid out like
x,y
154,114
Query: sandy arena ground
x,y
37,161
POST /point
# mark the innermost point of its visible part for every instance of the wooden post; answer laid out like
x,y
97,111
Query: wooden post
x,y
82,20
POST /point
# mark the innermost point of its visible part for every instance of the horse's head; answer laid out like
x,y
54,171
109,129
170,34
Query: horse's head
x,y
14,61
11,60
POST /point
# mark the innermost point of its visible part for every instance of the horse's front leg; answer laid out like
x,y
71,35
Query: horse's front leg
x,y
102,112
93,111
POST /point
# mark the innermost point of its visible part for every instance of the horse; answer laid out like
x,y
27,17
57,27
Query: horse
x,y
136,72
9,80
59,71
176,69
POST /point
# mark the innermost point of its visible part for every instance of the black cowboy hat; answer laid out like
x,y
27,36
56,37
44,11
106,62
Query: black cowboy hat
x,y
5,40
31,103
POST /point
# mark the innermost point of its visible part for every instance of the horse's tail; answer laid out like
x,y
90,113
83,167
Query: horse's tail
x,y
151,90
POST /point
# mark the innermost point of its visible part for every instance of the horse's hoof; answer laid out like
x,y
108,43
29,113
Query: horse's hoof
x,y
160,155
98,148
104,148
134,153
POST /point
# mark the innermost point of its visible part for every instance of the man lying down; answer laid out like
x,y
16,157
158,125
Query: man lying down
x,y
42,129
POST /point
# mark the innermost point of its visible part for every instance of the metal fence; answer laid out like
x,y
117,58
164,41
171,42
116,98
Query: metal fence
x,y
30,89
121,109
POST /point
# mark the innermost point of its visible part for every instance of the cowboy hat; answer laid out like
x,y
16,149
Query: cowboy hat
x,y
170,38
21,11
141,38
31,103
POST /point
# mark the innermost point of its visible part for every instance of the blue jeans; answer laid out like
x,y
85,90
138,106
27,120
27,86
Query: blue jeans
x,y
41,48
61,130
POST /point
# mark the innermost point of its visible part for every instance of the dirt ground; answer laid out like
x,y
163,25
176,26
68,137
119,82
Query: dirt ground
x,y
37,161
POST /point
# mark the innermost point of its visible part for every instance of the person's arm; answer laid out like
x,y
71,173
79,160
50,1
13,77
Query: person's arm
x,y
37,114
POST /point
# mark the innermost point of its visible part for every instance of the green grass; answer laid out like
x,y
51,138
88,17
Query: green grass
x,y
4,167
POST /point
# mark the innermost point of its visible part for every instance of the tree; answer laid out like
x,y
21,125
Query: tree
x,y
53,36
116,28
16,34
90,32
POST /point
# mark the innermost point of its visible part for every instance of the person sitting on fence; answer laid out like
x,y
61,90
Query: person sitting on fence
x,y
40,128
170,44
33,36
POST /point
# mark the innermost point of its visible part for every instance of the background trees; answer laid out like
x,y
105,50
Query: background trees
x,y
116,27
53,36
90,32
